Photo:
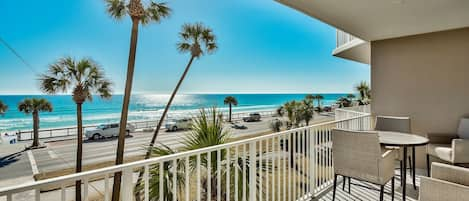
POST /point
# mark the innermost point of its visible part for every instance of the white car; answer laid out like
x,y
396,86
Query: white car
x,y
177,124
105,130
8,138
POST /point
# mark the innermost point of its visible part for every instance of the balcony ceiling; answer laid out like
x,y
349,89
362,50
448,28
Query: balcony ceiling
x,y
382,19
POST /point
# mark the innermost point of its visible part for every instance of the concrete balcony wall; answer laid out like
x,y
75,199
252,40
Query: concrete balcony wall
x,y
425,77
351,47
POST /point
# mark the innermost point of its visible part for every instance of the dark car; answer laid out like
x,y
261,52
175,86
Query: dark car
x,y
238,126
252,117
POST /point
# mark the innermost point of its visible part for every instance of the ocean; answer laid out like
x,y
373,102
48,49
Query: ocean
x,y
142,107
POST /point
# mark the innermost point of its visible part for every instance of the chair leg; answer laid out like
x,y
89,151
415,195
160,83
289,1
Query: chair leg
x,y
428,165
381,193
349,184
343,183
410,165
392,188
413,168
401,171
335,185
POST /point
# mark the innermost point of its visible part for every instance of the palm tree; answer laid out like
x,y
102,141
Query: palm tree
x,y
230,100
307,110
3,108
293,111
83,78
288,109
117,9
344,102
192,36
350,96
197,40
207,130
310,97
34,106
276,125
319,98
365,92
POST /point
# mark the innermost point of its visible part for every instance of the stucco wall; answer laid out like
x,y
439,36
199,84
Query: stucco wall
x,y
425,77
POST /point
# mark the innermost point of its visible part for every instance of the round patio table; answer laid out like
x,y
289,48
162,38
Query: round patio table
x,y
404,141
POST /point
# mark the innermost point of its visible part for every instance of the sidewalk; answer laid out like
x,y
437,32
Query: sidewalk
x,y
13,162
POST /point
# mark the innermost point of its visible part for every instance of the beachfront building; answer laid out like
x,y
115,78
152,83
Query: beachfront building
x,y
418,53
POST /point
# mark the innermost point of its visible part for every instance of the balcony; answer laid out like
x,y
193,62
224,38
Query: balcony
x,y
351,47
280,169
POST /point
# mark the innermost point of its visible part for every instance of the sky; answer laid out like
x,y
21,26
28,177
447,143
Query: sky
x,y
264,47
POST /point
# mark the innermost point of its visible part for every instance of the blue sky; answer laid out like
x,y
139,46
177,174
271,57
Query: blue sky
x,y
263,47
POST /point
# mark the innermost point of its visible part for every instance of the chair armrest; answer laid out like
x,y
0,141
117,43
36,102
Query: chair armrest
x,y
435,190
460,150
386,164
441,138
387,153
450,173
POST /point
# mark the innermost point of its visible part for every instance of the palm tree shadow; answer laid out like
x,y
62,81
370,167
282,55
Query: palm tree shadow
x,y
9,159
105,139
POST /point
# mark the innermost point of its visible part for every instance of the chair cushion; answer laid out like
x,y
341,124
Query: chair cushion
x,y
442,151
463,130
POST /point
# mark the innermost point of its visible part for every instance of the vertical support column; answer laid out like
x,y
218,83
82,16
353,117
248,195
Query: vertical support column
x,y
127,185
252,171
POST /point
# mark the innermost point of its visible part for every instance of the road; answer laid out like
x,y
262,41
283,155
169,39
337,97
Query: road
x,y
61,154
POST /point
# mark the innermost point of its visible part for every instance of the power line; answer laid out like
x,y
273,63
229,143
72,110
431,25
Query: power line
x,y
18,55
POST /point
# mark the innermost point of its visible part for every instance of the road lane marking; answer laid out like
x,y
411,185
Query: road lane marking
x,y
33,162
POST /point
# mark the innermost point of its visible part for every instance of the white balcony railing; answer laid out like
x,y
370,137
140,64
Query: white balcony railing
x,y
343,38
290,165
350,112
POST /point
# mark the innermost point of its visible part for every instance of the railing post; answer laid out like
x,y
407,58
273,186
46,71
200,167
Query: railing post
x,y
127,190
312,161
252,171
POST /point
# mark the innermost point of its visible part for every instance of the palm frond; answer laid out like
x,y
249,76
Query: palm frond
x,y
184,47
116,8
230,100
28,105
193,36
155,12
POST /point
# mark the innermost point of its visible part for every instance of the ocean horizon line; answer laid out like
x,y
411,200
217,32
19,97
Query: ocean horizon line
x,y
189,93
142,107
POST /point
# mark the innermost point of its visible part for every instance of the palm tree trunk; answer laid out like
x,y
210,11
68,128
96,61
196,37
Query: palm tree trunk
x,y
230,112
79,150
35,129
125,108
166,109
160,123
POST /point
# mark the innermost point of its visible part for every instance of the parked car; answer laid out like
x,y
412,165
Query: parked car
x,y
174,125
252,117
105,130
8,138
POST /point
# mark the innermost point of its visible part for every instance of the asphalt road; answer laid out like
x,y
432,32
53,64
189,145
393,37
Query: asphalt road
x,y
61,154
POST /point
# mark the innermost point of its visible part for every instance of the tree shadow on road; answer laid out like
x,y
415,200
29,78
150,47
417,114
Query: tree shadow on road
x,y
107,139
9,159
